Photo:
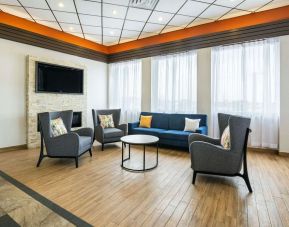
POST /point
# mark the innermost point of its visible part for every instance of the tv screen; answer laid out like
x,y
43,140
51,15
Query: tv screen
x,y
58,79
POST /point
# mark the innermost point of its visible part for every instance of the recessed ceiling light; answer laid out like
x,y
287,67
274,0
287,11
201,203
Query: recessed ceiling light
x,y
71,28
114,12
60,4
160,19
111,32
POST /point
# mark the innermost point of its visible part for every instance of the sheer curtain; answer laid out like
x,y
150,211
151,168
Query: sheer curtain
x,y
246,81
125,89
174,83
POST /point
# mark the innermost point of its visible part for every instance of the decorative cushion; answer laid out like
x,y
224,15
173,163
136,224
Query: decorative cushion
x,y
145,121
106,121
192,124
57,127
225,139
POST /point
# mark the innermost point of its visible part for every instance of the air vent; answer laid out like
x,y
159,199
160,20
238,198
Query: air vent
x,y
143,4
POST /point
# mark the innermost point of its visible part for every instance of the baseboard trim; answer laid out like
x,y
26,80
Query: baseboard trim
x,y
284,154
14,148
264,150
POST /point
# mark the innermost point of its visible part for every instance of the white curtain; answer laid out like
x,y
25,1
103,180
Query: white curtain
x,y
125,89
246,81
174,83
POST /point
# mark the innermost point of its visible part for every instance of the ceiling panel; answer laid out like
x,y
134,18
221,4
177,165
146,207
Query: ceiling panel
x,y
41,4
210,1
133,25
170,29
62,5
160,18
153,27
111,32
192,8
228,3
171,6
76,34
49,24
112,23
200,21
235,13
275,4
75,28
125,40
114,11
88,7
146,34
214,12
15,10
90,20
180,20
94,38
252,5
10,2
138,14
110,40
130,34
41,14
91,30
117,2
66,17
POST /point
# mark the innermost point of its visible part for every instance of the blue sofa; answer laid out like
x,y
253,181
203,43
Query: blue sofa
x,y
169,128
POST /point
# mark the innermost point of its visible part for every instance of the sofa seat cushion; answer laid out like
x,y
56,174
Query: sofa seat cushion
x,y
112,132
148,131
84,143
175,135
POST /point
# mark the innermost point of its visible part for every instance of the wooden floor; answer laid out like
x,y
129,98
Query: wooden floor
x,y
103,194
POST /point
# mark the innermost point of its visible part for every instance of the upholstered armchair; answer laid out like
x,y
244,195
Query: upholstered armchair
x,y
108,135
209,157
71,145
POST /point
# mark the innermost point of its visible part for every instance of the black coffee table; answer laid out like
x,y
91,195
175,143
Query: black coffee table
x,y
139,140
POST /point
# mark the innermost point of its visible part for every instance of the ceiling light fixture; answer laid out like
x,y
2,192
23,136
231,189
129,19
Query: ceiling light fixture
x,y
114,12
111,32
71,28
60,4
160,19
143,4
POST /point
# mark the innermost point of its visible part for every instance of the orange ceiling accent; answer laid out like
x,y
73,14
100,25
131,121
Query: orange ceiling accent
x,y
27,25
204,29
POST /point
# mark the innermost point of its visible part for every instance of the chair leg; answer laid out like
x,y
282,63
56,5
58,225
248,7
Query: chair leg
x,y
90,152
247,181
40,159
194,177
102,146
76,162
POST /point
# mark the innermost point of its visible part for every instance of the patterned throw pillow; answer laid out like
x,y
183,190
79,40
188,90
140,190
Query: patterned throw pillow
x,y
106,121
57,127
225,139
192,124
145,121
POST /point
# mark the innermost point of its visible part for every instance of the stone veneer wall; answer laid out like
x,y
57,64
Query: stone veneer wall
x,y
46,102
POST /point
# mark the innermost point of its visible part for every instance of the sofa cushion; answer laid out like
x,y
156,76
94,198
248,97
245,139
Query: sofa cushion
x,y
175,135
112,132
177,121
159,120
84,143
148,131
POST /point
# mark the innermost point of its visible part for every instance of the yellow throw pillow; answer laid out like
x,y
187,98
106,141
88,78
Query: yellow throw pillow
x,y
145,121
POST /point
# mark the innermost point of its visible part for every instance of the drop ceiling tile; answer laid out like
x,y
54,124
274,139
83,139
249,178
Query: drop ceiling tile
x,y
88,7
133,25
228,3
41,4
235,13
50,24
117,2
130,34
112,23
91,30
10,2
160,17
200,21
138,14
76,34
210,1
90,20
170,6
110,40
147,34
72,28
114,11
192,8
125,40
252,5
156,28
111,32
274,4
94,38
214,12
15,10
41,14
62,5
66,17
171,28
180,20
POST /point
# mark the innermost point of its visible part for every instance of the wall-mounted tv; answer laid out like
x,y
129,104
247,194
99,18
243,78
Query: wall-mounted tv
x,y
58,79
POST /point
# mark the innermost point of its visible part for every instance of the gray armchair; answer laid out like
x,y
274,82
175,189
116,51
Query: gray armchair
x,y
71,145
209,157
108,135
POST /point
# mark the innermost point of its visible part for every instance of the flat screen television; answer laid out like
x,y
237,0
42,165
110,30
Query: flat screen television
x,y
58,79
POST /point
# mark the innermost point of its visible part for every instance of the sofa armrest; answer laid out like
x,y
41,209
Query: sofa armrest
x,y
131,126
202,130
85,132
98,133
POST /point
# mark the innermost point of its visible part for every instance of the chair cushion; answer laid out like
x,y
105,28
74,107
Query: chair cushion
x,y
148,131
112,132
84,143
175,135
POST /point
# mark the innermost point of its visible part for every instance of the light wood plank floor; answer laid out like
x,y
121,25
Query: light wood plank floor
x,y
103,194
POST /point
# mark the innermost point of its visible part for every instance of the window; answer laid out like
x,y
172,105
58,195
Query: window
x,y
246,81
125,89
174,83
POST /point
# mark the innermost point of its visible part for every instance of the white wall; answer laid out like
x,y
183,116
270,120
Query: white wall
x,y
12,87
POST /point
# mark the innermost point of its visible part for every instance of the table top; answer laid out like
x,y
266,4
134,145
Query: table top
x,y
139,139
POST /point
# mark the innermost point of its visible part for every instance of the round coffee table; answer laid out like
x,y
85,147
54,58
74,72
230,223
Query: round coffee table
x,y
139,140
